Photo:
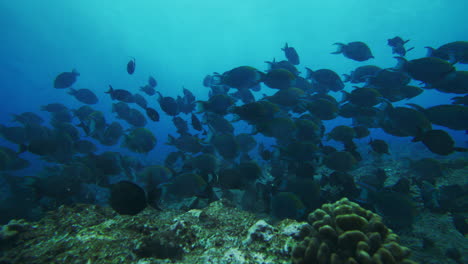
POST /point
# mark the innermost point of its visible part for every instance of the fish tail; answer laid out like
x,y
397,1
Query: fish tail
x,y
111,90
345,96
200,107
430,51
346,77
339,48
459,149
401,63
170,140
22,148
71,91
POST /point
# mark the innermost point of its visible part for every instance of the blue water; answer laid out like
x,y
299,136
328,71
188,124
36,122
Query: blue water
x,y
179,42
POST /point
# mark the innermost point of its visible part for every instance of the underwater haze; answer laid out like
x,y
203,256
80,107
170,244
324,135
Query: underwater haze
x,y
225,109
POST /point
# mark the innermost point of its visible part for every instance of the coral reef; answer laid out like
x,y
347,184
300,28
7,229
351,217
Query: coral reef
x,y
344,232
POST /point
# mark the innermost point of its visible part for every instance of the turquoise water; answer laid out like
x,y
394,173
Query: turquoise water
x,y
179,42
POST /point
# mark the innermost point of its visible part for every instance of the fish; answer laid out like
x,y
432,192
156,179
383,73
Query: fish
x,y
131,66
66,79
84,95
152,82
356,50
291,54
152,114
196,124
120,95
325,80
361,74
397,44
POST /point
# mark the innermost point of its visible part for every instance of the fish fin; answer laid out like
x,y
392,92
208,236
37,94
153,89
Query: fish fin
x,y
412,48
309,73
346,77
22,148
452,59
459,149
339,48
419,135
401,63
170,140
110,90
345,96
430,51
71,91
416,107
199,107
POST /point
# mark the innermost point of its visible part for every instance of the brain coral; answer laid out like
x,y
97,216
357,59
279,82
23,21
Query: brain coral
x,y
344,232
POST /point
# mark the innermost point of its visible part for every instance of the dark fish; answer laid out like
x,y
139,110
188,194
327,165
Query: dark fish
x,y
84,146
245,95
217,123
287,97
241,77
404,121
131,66
397,45
83,112
451,116
140,101
122,109
325,80
264,153
361,74
180,124
186,143
291,54
196,124
341,133
152,82
152,114
398,93
168,105
53,107
218,104
208,81
439,142
454,52
147,89
279,79
365,97
428,70
65,79
379,146
27,118
136,118
15,135
340,161
357,51
284,64
127,198
463,100
388,78
361,131
186,104
455,82
84,95
121,95
139,140
112,134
